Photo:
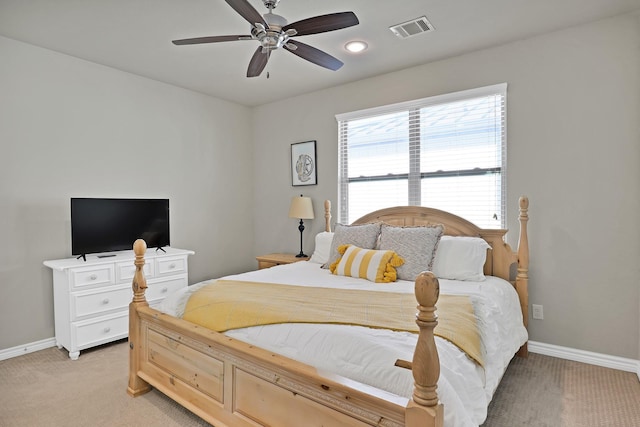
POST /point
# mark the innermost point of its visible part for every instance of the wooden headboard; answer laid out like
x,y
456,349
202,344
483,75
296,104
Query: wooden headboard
x,y
501,261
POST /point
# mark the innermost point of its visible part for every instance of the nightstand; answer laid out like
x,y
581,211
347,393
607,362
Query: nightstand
x,y
271,260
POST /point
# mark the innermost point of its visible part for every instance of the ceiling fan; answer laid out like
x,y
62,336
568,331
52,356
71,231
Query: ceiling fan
x,y
273,32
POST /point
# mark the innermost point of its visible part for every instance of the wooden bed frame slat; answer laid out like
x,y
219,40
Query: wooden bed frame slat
x,y
232,383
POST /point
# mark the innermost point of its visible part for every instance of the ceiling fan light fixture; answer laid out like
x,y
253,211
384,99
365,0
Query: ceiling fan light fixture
x,y
356,46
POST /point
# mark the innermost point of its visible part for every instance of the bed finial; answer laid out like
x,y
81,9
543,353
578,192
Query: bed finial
x,y
424,407
522,277
426,364
139,284
137,385
524,208
327,216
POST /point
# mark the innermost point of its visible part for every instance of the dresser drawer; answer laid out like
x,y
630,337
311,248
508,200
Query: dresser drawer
x,y
106,329
170,266
100,301
102,275
126,270
161,289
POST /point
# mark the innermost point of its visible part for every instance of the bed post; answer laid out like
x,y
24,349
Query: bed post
x,y
327,216
137,386
424,408
522,278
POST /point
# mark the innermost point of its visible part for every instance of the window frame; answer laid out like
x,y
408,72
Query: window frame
x,y
415,176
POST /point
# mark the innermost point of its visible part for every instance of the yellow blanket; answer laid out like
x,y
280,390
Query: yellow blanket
x,y
228,304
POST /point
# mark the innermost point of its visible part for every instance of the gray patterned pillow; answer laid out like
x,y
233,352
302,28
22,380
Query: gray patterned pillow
x,y
364,236
416,245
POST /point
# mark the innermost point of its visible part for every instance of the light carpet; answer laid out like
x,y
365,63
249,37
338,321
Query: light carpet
x,y
46,388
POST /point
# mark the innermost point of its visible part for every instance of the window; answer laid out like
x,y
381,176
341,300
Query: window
x,y
446,152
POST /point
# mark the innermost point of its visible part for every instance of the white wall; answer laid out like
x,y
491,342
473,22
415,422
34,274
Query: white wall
x,y
73,128
573,148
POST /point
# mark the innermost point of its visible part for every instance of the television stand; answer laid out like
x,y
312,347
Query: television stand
x,y
83,256
159,248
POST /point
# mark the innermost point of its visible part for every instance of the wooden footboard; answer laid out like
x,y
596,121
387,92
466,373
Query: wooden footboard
x,y
230,383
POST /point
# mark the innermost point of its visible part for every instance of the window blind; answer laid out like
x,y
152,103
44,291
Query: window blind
x,y
447,152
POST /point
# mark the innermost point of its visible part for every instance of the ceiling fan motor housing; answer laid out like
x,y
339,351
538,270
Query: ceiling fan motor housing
x,y
274,21
272,37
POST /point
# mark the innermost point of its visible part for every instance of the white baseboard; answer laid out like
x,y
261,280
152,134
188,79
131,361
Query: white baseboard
x,y
598,359
8,353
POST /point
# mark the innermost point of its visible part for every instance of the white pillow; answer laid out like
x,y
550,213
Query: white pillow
x,y
460,258
323,245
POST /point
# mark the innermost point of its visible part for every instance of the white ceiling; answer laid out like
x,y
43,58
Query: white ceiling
x,y
135,36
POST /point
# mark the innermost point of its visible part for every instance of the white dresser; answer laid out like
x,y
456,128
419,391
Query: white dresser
x,y
91,298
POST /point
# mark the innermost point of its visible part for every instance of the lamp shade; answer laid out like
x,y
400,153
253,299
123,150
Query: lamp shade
x,y
301,207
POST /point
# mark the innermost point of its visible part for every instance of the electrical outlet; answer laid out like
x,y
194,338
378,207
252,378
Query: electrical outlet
x,y
537,311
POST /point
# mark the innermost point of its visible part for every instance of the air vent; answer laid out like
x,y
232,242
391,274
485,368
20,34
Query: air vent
x,y
412,28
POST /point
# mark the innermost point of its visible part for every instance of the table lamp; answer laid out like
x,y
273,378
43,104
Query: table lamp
x,y
301,208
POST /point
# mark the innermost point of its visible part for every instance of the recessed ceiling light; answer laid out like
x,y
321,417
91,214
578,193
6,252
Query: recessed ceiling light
x,y
356,46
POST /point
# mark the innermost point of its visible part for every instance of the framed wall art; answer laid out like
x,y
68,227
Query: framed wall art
x,y
304,169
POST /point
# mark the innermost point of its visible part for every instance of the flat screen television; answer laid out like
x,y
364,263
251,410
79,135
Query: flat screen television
x,y
107,225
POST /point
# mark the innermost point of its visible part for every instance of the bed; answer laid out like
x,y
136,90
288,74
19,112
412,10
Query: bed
x,y
262,376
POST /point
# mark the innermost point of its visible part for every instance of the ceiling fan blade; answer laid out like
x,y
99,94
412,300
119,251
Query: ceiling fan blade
x,y
314,55
323,23
257,63
211,39
247,11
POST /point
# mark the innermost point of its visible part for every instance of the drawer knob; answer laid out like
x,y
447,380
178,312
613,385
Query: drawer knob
x,y
107,330
172,266
105,301
93,277
164,290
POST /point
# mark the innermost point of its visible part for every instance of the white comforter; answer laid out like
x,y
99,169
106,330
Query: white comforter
x,y
368,355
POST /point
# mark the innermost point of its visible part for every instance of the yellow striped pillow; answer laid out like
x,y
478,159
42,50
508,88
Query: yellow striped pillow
x,y
376,266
